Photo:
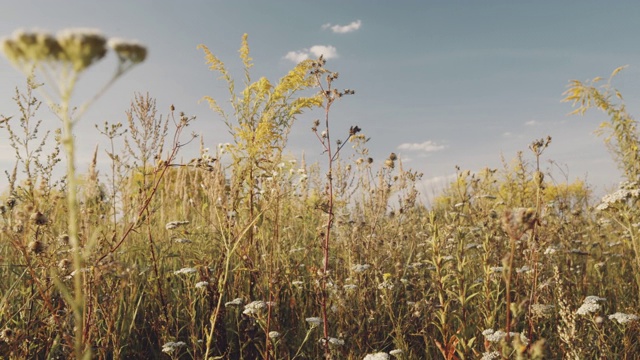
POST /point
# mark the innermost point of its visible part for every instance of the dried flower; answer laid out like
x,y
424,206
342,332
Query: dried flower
x,y
128,50
274,335
201,284
39,218
82,47
36,247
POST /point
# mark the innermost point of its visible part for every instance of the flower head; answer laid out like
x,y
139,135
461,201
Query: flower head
x,y
623,318
128,50
377,356
171,346
82,47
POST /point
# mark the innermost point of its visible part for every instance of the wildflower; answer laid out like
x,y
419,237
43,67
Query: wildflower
x,y
360,268
385,285
550,251
377,356
186,270
274,335
314,321
517,221
128,50
525,268
542,310
82,47
63,239
335,341
395,352
234,302
256,307
623,318
171,346
174,224
496,336
39,218
64,265
491,355
36,247
589,305
6,335
201,284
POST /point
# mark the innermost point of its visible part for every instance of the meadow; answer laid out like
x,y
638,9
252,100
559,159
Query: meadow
x,y
247,252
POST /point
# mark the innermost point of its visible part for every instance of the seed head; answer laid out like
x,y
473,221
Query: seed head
x,y
36,247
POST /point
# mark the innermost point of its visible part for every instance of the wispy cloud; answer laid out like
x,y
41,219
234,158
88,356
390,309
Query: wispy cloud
x,y
531,123
427,146
343,29
327,51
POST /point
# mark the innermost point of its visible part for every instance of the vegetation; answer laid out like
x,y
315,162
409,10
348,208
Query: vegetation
x,y
248,253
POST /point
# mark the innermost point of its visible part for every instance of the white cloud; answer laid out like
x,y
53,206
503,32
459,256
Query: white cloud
x,y
342,29
297,56
427,146
531,123
327,51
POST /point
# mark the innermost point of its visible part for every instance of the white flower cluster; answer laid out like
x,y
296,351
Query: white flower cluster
x,y
256,307
623,318
491,355
171,346
627,191
590,305
360,268
497,336
383,355
234,302
187,270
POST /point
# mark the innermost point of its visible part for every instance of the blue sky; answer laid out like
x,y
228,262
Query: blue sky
x,y
441,83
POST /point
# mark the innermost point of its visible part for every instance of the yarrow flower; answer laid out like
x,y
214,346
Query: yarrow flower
x,y
590,305
128,50
377,356
627,190
491,355
395,352
234,302
256,307
274,335
171,346
314,321
332,341
187,270
201,285
497,336
623,318
360,268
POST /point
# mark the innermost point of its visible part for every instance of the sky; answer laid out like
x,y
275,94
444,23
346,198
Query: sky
x,y
440,83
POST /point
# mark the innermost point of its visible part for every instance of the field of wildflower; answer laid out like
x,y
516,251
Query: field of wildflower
x,y
247,252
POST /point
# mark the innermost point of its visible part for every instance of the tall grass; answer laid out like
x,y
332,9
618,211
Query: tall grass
x,y
245,252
